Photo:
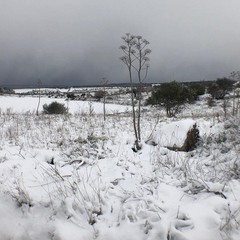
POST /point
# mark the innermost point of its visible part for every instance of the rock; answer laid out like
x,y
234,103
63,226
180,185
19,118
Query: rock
x,y
191,140
178,136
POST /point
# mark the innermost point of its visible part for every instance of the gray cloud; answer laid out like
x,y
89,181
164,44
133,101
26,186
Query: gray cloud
x,y
75,42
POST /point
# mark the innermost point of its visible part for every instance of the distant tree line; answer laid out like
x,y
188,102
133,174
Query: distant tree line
x,y
6,91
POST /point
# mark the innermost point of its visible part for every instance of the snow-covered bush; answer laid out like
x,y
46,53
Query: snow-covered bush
x,y
54,108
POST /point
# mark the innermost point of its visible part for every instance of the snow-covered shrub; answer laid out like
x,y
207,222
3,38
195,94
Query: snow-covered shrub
x,y
230,221
99,94
20,194
80,195
210,101
54,108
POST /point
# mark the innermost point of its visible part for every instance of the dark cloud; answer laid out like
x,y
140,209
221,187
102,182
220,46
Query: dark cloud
x,y
75,42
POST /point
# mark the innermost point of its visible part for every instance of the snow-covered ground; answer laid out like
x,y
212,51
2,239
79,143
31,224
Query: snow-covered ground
x,y
28,104
76,177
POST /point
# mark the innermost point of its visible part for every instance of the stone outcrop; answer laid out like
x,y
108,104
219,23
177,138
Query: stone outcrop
x,y
182,135
190,142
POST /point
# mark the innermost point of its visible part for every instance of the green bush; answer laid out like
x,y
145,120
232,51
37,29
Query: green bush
x,y
220,88
197,89
54,108
172,96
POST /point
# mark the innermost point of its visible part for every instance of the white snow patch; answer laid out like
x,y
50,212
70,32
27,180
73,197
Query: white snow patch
x,y
173,134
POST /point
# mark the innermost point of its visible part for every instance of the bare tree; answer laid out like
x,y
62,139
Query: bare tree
x,y
135,57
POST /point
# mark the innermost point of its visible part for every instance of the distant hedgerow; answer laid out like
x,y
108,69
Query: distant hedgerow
x,y
54,108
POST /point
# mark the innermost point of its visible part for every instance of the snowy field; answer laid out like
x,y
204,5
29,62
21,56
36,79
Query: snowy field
x,y
76,177
28,104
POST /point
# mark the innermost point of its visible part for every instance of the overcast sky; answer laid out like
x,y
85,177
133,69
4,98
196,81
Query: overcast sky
x,y
76,42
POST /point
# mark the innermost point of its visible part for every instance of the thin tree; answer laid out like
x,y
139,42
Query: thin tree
x,y
39,94
104,83
236,77
135,57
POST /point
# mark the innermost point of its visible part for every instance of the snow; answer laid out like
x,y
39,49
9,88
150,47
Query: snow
x,y
76,177
173,134
29,105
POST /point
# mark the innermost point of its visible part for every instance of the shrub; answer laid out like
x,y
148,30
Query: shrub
x,y
220,88
99,94
197,89
172,96
210,101
71,96
54,108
